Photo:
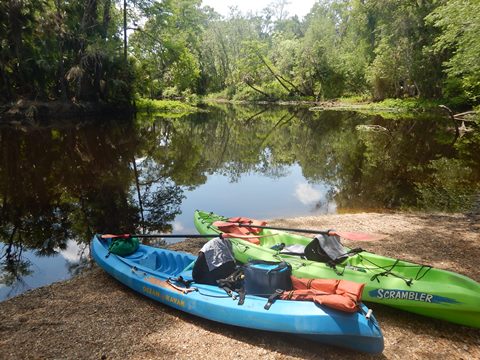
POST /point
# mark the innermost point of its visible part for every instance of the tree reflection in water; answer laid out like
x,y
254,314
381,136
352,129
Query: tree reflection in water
x,y
66,182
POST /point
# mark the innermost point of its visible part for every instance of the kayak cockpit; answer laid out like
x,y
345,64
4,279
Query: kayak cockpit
x,y
167,262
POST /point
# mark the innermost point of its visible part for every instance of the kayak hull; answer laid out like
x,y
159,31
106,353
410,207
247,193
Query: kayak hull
x,y
148,270
412,287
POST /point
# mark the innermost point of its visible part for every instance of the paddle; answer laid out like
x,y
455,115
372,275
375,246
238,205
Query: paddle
x,y
193,236
358,236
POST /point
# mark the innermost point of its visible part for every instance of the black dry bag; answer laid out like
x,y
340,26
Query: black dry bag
x,y
326,248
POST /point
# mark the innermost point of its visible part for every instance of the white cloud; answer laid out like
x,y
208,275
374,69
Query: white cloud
x,y
72,252
178,226
306,194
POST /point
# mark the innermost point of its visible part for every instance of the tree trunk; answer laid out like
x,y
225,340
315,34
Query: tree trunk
x,y
106,18
452,117
292,85
225,60
15,37
258,90
84,89
273,73
139,194
125,30
60,69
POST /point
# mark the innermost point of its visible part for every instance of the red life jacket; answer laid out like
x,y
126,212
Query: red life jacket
x,y
244,231
342,295
252,229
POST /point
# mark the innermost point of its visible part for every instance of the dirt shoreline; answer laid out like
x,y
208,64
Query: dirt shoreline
x,y
93,316
45,112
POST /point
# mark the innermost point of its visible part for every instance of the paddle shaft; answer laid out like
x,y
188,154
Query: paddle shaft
x,y
175,236
347,235
194,236
308,231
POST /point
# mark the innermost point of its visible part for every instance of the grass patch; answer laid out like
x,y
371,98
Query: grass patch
x,y
388,108
410,104
167,108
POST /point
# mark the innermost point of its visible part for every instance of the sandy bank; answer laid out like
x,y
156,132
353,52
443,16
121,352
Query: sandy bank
x,y
93,316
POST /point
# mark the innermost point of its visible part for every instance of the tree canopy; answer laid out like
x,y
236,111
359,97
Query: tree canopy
x,y
74,50
379,49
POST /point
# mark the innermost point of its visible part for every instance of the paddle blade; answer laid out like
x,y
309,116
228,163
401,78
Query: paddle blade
x,y
223,223
358,236
112,236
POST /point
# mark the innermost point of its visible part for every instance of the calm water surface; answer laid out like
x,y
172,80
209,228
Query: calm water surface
x,y
61,183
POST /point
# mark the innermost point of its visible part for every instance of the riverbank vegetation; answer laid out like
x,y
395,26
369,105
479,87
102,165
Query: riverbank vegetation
x,y
166,108
341,48
75,51
57,50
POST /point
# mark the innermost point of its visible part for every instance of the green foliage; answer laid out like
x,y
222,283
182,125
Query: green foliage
x,y
407,105
449,186
458,21
166,48
390,49
402,66
185,71
244,93
166,107
62,50
413,108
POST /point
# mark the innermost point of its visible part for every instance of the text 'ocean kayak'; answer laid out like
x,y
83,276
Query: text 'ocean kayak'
x,y
150,271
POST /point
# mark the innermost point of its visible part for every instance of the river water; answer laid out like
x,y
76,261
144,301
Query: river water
x,y
62,182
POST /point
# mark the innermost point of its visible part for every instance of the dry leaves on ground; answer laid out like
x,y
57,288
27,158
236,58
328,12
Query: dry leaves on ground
x,y
93,316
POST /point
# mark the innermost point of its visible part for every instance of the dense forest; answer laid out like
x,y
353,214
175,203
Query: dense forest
x,y
77,50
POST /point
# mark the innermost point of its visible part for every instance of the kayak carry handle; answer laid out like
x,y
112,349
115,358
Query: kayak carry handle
x,y
369,314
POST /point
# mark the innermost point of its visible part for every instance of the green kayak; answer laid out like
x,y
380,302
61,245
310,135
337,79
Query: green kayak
x,y
417,288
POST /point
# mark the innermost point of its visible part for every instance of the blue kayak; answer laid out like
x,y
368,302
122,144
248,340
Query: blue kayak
x,y
150,271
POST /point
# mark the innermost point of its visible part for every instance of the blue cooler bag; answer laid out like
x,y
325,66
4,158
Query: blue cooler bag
x,y
264,278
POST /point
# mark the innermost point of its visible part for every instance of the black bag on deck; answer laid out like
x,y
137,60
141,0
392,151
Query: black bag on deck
x,y
263,278
202,275
326,248
215,262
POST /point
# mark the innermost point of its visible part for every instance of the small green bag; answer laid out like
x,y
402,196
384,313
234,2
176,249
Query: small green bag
x,y
124,246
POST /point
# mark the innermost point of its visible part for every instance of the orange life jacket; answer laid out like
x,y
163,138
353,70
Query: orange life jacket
x,y
252,229
342,295
244,231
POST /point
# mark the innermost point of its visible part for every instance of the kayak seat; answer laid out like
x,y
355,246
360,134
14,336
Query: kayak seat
x,y
136,255
150,261
167,262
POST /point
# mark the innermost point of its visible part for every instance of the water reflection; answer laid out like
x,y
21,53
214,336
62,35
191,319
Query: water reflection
x,y
361,166
65,182
23,269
